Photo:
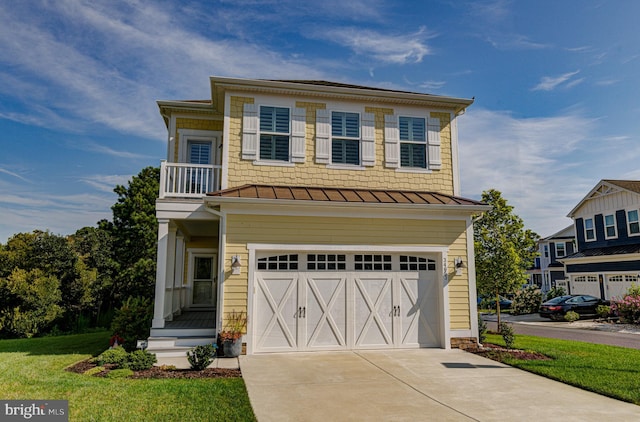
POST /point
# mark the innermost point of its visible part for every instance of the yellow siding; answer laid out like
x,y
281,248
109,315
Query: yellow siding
x,y
243,229
311,174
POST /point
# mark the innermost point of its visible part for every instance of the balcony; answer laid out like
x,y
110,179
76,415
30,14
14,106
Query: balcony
x,y
184,180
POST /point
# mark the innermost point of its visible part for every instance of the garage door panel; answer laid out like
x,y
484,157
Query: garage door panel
x,y
373,311
276,312
326,315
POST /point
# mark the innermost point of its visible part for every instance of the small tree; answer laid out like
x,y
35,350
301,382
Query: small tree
x,y
504,249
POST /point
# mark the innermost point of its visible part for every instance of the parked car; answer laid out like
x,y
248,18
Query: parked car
x,y
490,302
583,305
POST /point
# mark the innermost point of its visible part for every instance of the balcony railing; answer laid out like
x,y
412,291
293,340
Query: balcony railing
x,y
184,180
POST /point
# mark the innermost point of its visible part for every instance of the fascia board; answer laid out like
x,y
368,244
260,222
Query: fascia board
x,y
220,84
600,258
384,210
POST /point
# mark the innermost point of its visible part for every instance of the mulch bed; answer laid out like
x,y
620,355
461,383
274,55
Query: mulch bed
x,y
499,353
160,372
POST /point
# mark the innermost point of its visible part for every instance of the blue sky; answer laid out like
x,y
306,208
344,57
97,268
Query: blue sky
x,y
556,87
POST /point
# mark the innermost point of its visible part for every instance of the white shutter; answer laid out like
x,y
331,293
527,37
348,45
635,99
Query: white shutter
x,y
298,120
250,132
368,139
391,141
433,140
323,130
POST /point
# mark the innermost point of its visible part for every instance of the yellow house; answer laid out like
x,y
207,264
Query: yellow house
x,y
328,213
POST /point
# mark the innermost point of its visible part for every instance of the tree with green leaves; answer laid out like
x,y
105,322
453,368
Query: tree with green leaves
x,y
504,249
134,235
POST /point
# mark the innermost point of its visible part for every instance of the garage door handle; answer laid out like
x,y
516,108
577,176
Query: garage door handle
x,y
302,310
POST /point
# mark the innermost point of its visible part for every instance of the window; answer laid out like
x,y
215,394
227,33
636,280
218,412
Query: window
x,y
560,250
413,143
589,232
274,133
345,138
372,262
416,263
610,226
199,152
278,262
326,262
546,251
633,223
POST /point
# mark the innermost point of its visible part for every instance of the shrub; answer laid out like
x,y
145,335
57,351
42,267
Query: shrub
x,y
571,316
482,330
603,311
628,308
526,301
555,292
133,321
506,331
116,356
139,360
201,356
509,337
119,373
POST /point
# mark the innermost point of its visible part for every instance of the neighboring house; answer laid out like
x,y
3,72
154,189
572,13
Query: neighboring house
x,y
607,228
551,249
328,212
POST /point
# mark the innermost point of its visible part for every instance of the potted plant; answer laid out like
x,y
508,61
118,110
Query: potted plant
x,y
231,335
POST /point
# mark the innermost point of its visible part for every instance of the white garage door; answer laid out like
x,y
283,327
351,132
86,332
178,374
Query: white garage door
x,y
345,301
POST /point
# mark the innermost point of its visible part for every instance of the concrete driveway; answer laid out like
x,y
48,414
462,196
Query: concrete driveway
x,y
413,385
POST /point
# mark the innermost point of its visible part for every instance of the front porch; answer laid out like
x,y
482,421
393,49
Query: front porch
x,y
194,327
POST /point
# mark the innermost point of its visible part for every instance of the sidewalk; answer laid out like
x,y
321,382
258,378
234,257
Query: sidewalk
x,y
585,324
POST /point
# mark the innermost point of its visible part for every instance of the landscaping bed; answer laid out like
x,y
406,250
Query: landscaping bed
x,y
502,354
158,371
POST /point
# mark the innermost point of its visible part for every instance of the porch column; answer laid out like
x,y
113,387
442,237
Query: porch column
x,y
161,274
171,264
178,277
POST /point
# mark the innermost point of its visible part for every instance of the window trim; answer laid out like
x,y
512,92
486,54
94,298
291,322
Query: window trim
x,y
629,222
586,230
259,160
187,135
347,138
564,246
615,226
424,143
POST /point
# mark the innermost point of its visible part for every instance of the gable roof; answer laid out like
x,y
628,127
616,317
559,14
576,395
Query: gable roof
x,y
292,194
607,187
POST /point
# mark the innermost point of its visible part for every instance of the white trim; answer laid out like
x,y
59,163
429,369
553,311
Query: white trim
x,y
192,254
276,163
584,226
471,279
564,244
615,225
349,248
341,166
225,142
626,218
455,158
186,135
413,170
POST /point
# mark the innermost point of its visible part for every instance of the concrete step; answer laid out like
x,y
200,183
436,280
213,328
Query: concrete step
x,y
183,332
176,346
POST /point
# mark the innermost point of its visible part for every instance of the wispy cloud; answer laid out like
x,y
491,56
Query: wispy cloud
x,y
106,183
105,150
385,48
433,85
16,175
549,83
530,160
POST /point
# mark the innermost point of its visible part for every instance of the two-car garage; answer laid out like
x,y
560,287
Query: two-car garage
x,y
335,300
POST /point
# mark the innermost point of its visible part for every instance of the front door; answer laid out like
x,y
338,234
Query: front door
x,y
204,280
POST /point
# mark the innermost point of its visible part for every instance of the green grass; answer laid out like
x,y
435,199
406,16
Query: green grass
x,y
608,370
34,369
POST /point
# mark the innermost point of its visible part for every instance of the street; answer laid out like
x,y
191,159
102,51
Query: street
x,y
532,326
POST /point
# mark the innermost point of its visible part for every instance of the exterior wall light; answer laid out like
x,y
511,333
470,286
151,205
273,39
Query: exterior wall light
x,y
236,265
458,264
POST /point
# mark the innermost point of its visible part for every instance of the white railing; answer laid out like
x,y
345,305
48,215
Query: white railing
x,y
184,180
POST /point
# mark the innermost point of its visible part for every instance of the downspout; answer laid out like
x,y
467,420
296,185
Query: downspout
x,y
222,241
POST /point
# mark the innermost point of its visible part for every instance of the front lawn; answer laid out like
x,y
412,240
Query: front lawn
x,y
608,370
34,369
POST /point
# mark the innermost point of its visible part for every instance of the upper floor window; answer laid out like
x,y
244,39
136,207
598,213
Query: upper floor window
x,y
561,250
589,230
274,133
633,223
610,226
199,152
546,251
413,143
345,138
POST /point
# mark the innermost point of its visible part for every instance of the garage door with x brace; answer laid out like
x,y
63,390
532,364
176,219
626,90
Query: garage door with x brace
x,y
327,301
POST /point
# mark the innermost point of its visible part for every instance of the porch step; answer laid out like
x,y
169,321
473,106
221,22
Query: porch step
x,y
176,346
183,332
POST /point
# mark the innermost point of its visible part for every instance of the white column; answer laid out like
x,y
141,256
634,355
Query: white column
x,y
161,274
178,278
171,264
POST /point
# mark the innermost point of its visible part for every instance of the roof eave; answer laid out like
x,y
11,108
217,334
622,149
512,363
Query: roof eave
x,y
220,84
